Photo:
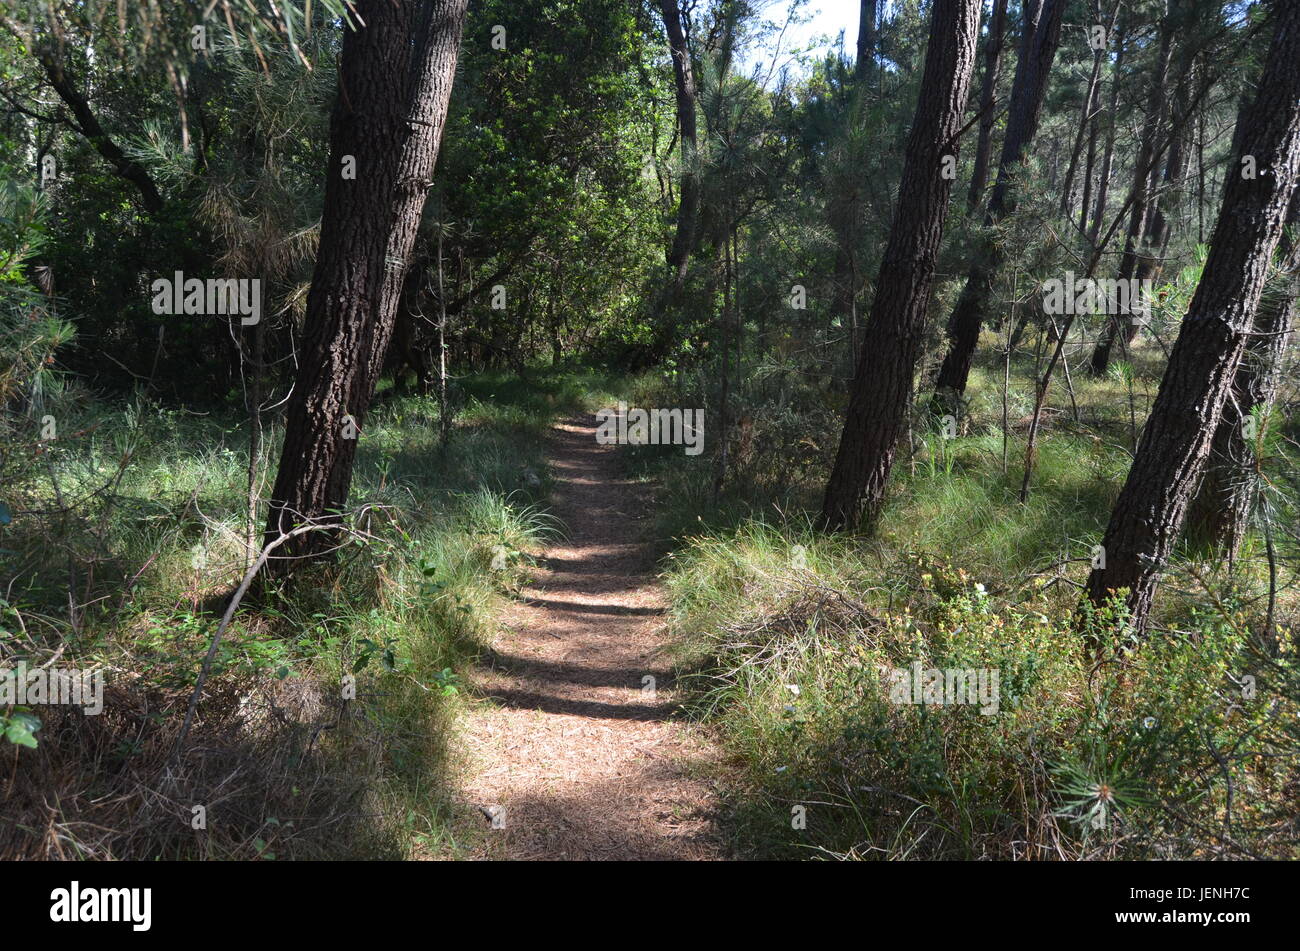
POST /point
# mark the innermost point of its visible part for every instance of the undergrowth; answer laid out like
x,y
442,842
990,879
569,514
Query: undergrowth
x,y
327,725
1184,745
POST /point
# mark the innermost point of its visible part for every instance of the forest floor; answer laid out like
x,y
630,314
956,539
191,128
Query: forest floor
x,y
571,752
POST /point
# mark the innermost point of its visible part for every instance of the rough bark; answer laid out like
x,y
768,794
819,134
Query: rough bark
x,y
862,67
1220,512
395,77
882,384
1042,33
1198,380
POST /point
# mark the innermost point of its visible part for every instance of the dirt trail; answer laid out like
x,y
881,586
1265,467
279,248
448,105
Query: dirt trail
x,y
585,762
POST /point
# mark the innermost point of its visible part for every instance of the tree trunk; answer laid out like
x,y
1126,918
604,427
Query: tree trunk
x,y
1089,163
1037,50
862,67
1175,444
1152,263
1140,209
1220,512
988,96
883,383
689,204
1108,153
843,207
87,123
395,77
1085,122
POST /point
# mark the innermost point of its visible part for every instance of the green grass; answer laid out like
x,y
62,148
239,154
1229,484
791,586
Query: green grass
x,y
787,638
154,545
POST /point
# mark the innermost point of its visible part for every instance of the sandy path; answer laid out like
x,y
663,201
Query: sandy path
x,y
585,762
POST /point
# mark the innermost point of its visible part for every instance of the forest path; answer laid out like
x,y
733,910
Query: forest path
x,y
583,762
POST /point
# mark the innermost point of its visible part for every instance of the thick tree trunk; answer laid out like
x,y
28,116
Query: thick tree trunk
x,y
882,385
1176,441
1037,50
688,206
988,95
395,77
1220,512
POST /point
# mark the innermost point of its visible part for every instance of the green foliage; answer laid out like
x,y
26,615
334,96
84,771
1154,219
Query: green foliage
x,y
19,726
30,333
403,616
1122,756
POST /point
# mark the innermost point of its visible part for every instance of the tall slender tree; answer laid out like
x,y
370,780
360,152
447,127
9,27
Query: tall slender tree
x,y
688,205
1140,204
1098,211
844,204
988,96
1039,41
1176,441
395,77
882,385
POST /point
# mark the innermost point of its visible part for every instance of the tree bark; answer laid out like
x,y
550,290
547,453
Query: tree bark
x,y
862,66
1220,512
883,382
1176,441
395,77
1037,50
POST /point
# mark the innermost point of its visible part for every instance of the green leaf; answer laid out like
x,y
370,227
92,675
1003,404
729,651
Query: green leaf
x,y
20,729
